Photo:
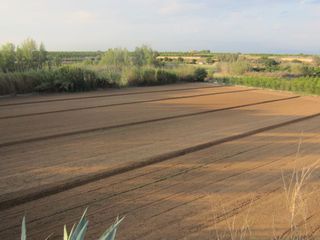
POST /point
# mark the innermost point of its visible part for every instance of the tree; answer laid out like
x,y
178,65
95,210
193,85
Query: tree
x,y
28,55
180,59
144,55
24,57
43,56
209,60
7,57
228,57
269,63
117,57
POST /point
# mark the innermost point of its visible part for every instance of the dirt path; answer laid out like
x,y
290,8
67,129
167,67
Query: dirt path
x,y
184,177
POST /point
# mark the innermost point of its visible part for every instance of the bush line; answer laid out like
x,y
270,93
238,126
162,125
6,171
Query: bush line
x,y
86,78
308,85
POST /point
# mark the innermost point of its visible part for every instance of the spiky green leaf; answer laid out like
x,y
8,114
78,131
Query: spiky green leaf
x,y
23,229
82,223
110,233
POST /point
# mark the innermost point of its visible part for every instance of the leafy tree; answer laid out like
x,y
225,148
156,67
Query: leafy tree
x,y
144,55
27,55
43,56
228,57
7,57
204,52
209,60
269,63
55,61
116,57
180,59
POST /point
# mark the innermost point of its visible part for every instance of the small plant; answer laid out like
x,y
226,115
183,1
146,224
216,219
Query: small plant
x,y
78,231
200,74
294,194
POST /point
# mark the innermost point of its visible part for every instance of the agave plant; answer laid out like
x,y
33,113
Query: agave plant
x,y
78,231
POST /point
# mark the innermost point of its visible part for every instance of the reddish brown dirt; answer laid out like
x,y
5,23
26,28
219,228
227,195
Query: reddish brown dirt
x,y
205,193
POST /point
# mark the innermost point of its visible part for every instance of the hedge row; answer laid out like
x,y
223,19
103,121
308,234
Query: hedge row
x,y
75,79
310,85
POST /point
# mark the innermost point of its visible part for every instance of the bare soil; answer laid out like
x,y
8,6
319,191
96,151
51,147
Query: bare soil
x,y
180,162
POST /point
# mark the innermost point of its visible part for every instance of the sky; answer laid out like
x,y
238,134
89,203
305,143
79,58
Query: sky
x,y
253,26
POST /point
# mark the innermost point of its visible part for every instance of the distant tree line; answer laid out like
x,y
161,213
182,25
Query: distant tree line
x,y
27,56
30,55
141,56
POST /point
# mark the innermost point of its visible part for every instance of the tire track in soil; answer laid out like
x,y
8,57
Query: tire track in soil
x,y
289,231
170,186
202,226
121,104
147,184
277,180
240,208
237,207
92,213
221,217
153,203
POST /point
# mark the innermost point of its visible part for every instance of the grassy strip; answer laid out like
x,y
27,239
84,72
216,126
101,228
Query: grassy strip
x,y
86,78
308,85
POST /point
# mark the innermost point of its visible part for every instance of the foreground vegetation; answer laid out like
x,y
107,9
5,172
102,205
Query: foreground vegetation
x,y
79,231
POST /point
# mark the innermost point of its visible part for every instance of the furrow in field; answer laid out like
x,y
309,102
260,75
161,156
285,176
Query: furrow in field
x,y
59,99
242,181
119,104
194,219
48,190
259,183
81,103
36,166
19,139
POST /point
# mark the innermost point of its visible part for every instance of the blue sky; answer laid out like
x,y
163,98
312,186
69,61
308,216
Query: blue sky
x,y
285,26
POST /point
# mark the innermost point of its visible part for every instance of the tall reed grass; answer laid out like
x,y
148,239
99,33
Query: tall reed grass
x,y
90,77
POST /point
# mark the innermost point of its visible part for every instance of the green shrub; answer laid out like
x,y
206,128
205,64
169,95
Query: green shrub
x,y
234,68
16,83
148,76
64,79
67,79
269,63
166,77
200,74
184,73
